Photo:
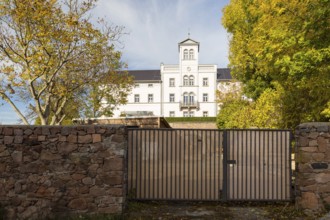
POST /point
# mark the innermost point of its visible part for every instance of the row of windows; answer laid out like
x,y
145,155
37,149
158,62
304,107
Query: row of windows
x,y
150,85
150,98
189,114
187,98
188,81
188,55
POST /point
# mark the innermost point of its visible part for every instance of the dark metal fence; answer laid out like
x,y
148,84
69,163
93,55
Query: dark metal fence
x,y
209,165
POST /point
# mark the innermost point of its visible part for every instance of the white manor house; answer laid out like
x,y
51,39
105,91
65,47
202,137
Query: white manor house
x,y
187,89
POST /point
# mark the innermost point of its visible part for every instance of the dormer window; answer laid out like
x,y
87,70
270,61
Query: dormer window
x,y
191,54
185,54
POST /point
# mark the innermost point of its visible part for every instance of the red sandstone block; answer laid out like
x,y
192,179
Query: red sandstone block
x,y
41,138
85,139
72,138
113,164
18,139
78,204
8,131
96,138
116,192
8,139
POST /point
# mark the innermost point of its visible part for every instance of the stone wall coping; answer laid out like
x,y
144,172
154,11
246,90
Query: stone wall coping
x,y
61,126
313,125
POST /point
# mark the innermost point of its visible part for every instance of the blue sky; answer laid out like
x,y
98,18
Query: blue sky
x,y
155,27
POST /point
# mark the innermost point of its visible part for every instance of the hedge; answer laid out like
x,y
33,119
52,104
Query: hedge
x,y
191,119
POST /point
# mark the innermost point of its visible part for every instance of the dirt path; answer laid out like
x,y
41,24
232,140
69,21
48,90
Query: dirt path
x,y
246,211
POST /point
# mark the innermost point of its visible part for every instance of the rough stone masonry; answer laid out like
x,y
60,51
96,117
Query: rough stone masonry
x,y
52,171
313,174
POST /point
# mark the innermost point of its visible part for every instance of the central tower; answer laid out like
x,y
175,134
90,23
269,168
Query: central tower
x,y
188,55
188,64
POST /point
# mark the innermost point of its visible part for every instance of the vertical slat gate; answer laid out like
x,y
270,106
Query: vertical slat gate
x,y
209,165
258,165
175,164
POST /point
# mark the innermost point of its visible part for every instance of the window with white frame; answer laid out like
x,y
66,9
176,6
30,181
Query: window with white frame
x,y
191,114
172,97
191,80
185,98
185,114
185,81
172,114
191,54
185,54
136,98
137,85
150,85
172,82
205,114
191,98
205,82
150,98
205,97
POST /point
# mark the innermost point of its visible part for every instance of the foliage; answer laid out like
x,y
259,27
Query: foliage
x,y
326,112
234,111
190,119
287,43
99,101
237,112
52,56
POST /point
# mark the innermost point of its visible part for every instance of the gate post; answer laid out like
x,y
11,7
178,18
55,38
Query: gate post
x,y
313,167
224,165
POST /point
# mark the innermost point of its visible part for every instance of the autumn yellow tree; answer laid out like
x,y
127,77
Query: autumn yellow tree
x,y
238,112
285,43
51,54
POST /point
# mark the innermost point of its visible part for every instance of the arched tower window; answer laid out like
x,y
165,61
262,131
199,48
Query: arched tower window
x,y
185,54
185,81
185,98
191,54
191,98
191,80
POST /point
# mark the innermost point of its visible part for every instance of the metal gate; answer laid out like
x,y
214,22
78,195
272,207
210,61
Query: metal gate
x,y
209,165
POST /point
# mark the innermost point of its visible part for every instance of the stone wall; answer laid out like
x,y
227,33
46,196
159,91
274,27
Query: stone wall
x,y
55,171
313,170
141,122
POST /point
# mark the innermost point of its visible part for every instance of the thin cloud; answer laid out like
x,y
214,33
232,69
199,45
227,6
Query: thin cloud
x,y
156,27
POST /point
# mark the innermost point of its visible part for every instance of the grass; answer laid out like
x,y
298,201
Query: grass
x,y
93,217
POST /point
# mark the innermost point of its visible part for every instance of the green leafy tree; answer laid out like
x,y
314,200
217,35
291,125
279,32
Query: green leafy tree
x,y
286,43
237,112
234,111
52,54
326,112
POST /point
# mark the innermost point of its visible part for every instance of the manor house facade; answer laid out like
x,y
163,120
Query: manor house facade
x,y
187,89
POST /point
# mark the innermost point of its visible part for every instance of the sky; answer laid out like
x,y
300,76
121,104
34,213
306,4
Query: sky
x,y
153,29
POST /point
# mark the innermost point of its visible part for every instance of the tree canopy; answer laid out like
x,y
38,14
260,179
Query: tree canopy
x,y
238,112
287,44
53,57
